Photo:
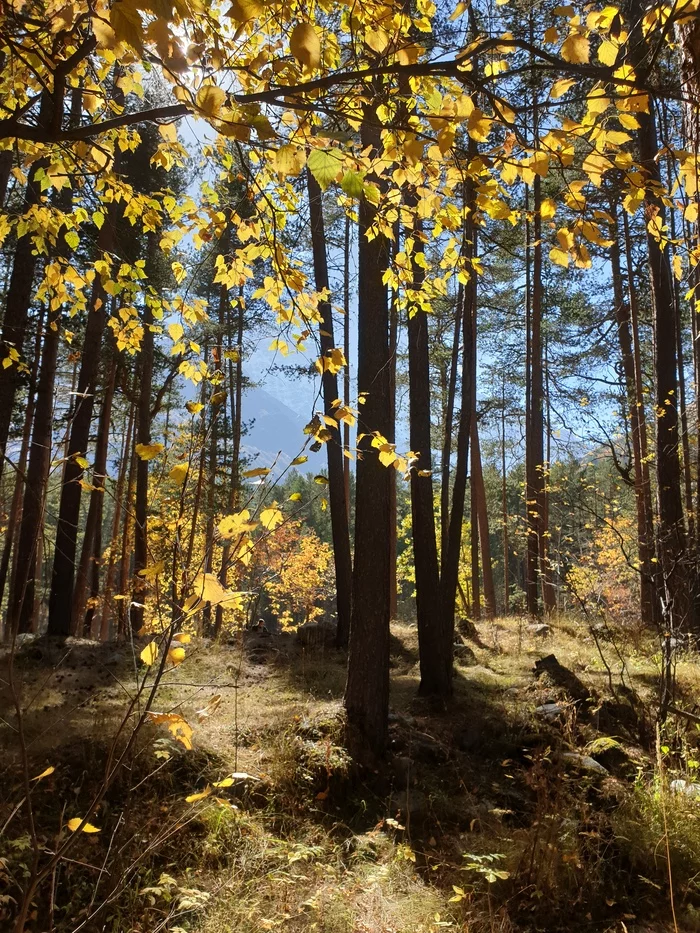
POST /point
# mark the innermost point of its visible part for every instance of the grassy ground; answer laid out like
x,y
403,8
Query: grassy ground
x,y
482,819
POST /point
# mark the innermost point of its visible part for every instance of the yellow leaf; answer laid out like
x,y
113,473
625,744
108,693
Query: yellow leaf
x,y
177,655
258,471
49,770
226,782
271,518
208,588
149,653
305,45
607,53
210,708
377,39
295,497
321,480
104,33
459,10
302,458
691,212
210,99
244,10
559,256
153,570
548,208
175,331
200,796
560,87
182,638
178,474
75,823
194,407
148,451
576,49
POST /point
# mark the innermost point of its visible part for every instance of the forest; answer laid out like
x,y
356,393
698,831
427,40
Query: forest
x,y
350,474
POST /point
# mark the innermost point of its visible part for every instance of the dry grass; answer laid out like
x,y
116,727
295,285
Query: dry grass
x,y
316,845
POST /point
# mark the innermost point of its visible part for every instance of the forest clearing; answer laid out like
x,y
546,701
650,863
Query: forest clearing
x,y
265,823
350,474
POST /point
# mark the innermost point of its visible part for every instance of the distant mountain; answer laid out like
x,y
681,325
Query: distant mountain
x,y
277,432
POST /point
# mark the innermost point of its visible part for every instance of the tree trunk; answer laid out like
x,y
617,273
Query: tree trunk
x,y
450,555
434,660
90,553
334,450
9,550
483,524
18,299
636,408
504,508
106,626
672,534
535,466
367,689
21,610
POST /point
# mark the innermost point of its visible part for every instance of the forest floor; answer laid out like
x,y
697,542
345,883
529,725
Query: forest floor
x,y
533,803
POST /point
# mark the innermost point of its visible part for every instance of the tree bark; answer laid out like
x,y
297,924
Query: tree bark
x,y
367,689
334,449
21,610
435,661
483,524
90,553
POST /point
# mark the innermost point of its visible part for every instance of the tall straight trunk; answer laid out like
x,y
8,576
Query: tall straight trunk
x,y
535,463
21,609
126,549
531,551
636,409
649,546
483,524
434,660
504,508
340,529
367,688
549,593
474,547
13,520
393,530
450,555
63,574
18,299
449,422
105,627
678,578
688,36
346,353
89,555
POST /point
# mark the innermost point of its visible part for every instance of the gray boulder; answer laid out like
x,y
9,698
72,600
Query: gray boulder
x,y
316,634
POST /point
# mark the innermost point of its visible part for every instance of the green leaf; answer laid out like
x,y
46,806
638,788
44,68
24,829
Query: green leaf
x,y
352,184
324,165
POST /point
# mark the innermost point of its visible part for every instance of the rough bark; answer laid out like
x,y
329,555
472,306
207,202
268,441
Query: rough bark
x,y
334,449
367,689
435,661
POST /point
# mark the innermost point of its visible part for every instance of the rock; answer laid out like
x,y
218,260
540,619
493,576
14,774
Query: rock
x,y
541,630
585,762
550,711
679,786
562,677
316,634
413,803
464,654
